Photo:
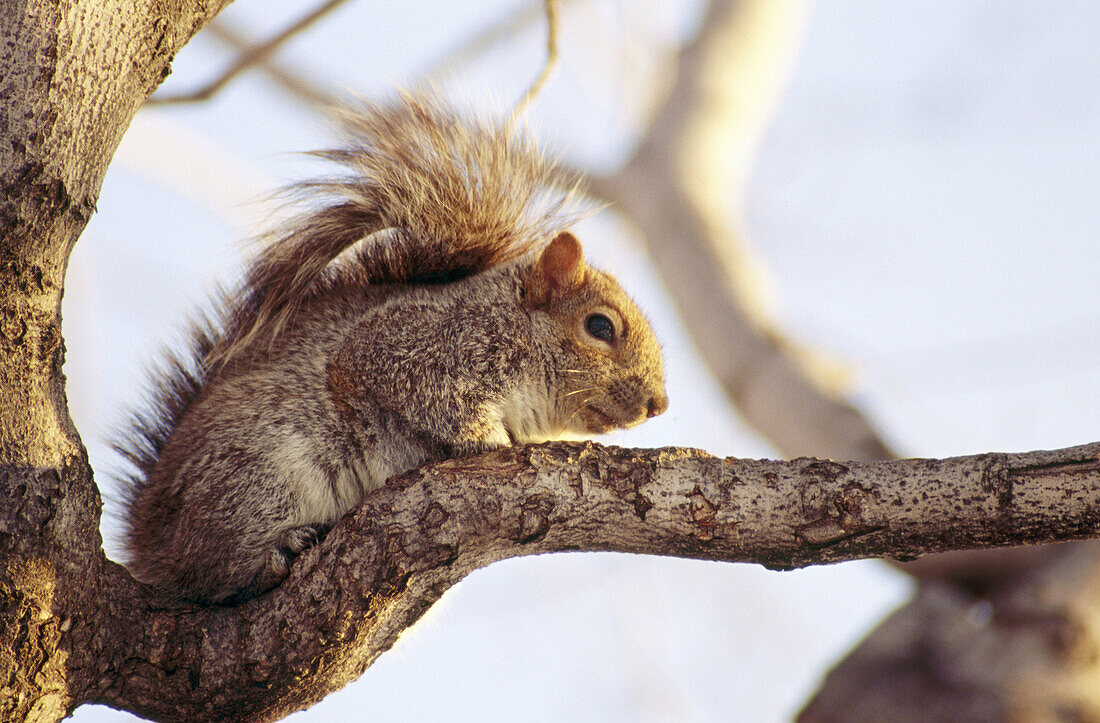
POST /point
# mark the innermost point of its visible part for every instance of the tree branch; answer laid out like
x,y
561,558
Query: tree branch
x,y
316,95
383,565
312,92
504,28
250,56
1029,652
72,78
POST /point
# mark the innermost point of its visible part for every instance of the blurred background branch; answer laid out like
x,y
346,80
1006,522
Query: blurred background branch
x,y
250,56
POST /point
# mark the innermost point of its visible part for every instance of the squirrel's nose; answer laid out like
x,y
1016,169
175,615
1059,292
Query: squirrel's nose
x,y
657,405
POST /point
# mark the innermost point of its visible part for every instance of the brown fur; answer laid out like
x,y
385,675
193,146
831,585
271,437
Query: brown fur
x,y
433,308
460,196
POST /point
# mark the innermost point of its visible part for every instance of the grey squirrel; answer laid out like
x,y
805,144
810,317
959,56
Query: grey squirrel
x,y
433,306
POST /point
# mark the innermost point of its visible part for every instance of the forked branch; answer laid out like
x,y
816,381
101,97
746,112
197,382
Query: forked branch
x,y
386,563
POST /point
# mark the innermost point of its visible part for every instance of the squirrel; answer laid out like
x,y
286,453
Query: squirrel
x,y
431,304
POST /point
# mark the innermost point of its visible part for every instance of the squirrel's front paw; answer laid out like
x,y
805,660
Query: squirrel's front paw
x,y
300,539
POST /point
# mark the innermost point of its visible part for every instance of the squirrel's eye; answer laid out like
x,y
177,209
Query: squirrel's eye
x,y
600,327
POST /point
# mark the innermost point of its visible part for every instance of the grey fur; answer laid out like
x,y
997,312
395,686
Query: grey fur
x,y
327,375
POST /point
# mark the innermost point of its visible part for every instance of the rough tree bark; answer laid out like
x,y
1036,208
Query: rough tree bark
x,y
381,567
72,75
77,628
347,600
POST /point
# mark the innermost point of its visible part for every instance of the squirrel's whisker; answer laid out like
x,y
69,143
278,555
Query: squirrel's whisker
x,y
578,391
581,406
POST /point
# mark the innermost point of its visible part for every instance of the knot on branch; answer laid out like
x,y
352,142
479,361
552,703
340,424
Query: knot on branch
x,y
534,518
27,278
997,479
704,514
12,328
835,512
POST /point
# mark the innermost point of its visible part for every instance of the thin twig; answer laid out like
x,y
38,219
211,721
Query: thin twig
x,y
547,68
250,56
313,92
473,47
307,89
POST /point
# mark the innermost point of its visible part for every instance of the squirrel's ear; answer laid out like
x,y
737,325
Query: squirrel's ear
x,y
560,268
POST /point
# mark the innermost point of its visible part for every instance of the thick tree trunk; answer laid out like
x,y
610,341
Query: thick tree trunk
x,y
72,74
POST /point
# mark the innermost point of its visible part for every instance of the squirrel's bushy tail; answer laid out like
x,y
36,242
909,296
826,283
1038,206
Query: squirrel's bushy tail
x,y
444,196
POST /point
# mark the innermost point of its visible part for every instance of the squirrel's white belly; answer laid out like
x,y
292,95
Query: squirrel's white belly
x,y
527,415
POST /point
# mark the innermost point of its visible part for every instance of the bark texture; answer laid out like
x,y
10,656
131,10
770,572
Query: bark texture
x,y
380,568
72,74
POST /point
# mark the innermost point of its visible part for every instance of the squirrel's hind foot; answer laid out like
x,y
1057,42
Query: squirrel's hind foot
x,y
300,539
281,557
